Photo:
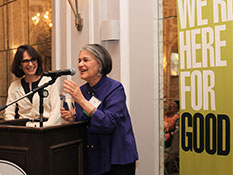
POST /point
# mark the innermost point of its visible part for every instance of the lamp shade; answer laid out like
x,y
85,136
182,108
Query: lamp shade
x,y
110,30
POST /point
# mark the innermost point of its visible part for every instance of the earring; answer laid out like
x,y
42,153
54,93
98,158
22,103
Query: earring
x,y
100,70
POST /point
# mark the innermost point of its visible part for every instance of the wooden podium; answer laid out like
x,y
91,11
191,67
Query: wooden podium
x,y
55,150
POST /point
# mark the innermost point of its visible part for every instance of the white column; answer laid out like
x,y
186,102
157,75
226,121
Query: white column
x,y
68,38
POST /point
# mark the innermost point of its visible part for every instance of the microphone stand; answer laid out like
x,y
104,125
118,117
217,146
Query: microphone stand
x,y
42,93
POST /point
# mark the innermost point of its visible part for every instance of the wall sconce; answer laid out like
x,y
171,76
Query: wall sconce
x,y
78,19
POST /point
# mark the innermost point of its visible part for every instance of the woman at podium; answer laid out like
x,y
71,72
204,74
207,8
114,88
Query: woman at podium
x,y
102,101
27,67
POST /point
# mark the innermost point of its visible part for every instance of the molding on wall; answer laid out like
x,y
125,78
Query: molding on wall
x,y
91,22
124,47
56,41
69,38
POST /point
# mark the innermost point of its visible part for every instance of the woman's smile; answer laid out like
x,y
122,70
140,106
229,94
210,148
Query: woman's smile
x,y
88,67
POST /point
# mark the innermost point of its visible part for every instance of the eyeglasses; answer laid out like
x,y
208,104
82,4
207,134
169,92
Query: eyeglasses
x,y
27,61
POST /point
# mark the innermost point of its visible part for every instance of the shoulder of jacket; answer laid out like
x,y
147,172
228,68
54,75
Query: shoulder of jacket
x,y
15,85
113,83
16,82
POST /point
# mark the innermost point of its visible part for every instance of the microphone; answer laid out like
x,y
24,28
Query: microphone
x,y
58,73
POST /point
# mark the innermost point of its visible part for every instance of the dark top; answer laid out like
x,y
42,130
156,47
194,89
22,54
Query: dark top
x,y
27,89
110,134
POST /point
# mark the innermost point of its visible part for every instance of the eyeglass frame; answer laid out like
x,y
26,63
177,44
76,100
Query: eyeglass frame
x,y
27,61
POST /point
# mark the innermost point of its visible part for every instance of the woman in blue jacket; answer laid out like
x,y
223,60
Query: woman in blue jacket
x,y
102,100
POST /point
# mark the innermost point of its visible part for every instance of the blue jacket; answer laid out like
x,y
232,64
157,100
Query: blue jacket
x,y
110,134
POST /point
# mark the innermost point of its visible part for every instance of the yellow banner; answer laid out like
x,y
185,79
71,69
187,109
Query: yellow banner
x,y
205,30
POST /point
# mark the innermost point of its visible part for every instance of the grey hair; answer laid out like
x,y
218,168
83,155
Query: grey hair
x,y
102,56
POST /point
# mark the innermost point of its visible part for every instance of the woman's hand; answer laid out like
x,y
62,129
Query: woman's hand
x,y
68,115
74,90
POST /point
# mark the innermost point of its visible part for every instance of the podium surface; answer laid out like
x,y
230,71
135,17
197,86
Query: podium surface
x,y
54,150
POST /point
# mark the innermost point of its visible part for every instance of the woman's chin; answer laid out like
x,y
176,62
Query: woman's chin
x,y
83,77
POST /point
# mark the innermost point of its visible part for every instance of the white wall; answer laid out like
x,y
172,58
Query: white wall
x,y
144,100
135,61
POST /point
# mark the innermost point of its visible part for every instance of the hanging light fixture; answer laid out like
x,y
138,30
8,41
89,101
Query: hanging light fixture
x,y
78,19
